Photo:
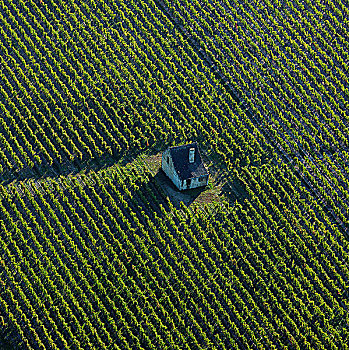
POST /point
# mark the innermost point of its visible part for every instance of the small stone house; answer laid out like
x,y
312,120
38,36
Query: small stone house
x,y
183,165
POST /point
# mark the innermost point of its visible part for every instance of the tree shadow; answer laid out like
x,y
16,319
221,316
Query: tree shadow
x,y
234,191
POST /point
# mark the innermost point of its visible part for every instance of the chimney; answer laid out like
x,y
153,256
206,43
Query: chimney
x,y
191,154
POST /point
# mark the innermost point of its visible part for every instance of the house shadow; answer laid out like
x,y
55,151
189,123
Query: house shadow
x,y
173,193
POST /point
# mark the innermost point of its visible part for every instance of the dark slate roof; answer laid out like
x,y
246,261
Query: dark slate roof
x,y
180,158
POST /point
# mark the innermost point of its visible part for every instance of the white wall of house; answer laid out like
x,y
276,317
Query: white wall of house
x,y
168,168
196,182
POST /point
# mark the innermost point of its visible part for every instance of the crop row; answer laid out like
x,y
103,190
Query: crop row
x,y
108,260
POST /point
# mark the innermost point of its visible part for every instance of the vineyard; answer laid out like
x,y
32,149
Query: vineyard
x,y
95,253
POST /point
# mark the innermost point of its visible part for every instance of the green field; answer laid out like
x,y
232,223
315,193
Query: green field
x,y
97,248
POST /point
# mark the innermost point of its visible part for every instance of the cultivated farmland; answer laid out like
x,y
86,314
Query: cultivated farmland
x,y
96,252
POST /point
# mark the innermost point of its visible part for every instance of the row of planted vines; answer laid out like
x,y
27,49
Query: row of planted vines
x,y
103,259
141,85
